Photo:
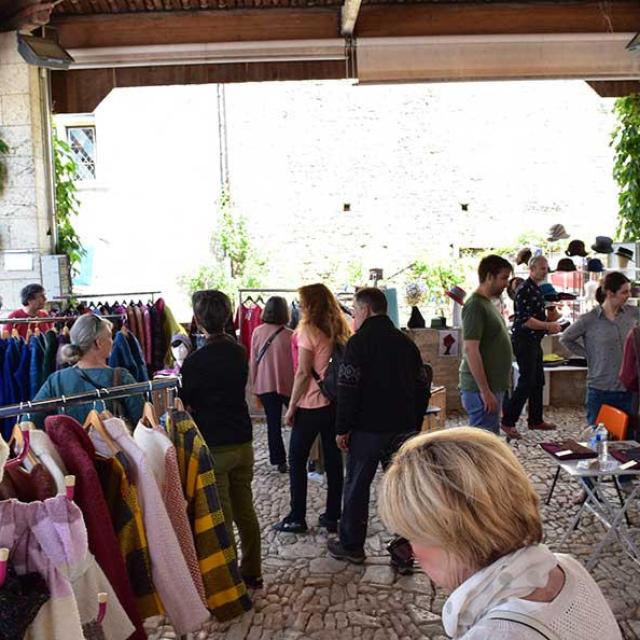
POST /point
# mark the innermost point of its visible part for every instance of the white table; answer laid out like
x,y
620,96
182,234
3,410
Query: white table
x,y
546,391
612,515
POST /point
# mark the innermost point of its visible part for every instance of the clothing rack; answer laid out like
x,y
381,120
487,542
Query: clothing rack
x,y
54,319
112,295
107,393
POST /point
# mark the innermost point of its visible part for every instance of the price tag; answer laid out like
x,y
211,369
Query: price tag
x,y
628,465
562,454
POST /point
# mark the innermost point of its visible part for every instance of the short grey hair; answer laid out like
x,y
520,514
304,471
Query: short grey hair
x,y
535,260
84,332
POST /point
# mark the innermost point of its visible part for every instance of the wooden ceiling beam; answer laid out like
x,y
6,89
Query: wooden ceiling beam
x,y
615,88
496,18
157,28
399,20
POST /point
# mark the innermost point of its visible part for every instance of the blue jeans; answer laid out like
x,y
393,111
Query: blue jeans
x,y
622,400
478,416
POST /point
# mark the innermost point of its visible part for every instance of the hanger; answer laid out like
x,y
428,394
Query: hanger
x,y
149,416
94,421
260,299
20,439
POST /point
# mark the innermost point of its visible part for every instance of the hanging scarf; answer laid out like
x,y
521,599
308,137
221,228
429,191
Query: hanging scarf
x,y
513,576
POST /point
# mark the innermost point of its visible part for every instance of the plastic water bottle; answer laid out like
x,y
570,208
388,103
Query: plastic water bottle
x,y
602,444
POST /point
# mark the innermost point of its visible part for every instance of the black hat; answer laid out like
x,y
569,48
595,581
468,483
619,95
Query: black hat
x,y
623,252
566,264
603,244
565,295
523,256
576,248
595,265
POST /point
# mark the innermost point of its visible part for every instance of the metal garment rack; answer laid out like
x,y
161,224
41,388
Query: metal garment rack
x,y
54,319
107,393
86,296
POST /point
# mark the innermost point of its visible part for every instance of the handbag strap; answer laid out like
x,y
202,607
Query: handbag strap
x,y
525,620
267,344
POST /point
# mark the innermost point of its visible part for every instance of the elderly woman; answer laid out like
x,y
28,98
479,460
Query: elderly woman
x,y
466,506
90,348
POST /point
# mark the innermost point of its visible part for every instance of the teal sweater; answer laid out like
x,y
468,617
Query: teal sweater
x,y
68,382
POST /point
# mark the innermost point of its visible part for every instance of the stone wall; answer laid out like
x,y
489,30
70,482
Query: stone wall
x,y
24,207
522,155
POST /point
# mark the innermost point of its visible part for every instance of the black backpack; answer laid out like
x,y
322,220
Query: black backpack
x,y
329,384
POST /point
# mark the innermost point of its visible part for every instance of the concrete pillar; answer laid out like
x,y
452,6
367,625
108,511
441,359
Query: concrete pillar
x,y
25,209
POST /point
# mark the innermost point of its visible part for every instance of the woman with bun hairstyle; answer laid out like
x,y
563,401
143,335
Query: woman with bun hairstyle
x,y
90,347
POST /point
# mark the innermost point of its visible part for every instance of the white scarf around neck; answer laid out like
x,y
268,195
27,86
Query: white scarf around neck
x,y
512,576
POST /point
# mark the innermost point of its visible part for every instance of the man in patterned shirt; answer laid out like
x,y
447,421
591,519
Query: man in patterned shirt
x,y
529,327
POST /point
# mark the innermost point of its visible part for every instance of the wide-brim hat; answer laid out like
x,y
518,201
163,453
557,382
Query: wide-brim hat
x,y
595,265
523,256
457,294
576,248
603,244
623,252
557,232
566,265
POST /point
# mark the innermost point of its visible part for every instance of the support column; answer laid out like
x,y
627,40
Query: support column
x,y
25,206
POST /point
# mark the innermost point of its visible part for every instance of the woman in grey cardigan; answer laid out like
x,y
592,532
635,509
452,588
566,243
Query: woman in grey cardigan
x,y
599,336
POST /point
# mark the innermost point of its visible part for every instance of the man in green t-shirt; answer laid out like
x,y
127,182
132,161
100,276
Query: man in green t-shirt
x,y
486,363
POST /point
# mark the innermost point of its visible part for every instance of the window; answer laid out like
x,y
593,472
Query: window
x,y
82,141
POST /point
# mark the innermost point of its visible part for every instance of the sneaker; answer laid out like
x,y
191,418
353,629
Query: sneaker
x,y
283,468
330,525
543,426
316,477
289,526
337,551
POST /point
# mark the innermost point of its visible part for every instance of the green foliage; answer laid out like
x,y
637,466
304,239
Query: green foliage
x,y
67,203
235,263
437,276
4,150
626,168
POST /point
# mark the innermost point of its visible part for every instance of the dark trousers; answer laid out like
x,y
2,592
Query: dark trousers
x,y
528,354
273,403
366,451
308,423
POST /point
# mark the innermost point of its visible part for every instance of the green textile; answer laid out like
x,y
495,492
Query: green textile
x,y
233,466
482,321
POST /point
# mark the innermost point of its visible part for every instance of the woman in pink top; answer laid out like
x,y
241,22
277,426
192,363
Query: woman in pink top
x,y
322,325
272,372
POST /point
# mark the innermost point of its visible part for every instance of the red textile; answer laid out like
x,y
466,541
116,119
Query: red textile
x,y
247,319
77,453
630,362
21,328
148,344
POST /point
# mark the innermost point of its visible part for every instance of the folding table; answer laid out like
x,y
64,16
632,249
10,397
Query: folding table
x,y
611,514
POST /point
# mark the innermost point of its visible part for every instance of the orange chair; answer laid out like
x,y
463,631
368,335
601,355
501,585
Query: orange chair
x,y
615,421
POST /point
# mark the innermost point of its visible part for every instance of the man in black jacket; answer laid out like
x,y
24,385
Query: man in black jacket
x,y
382,397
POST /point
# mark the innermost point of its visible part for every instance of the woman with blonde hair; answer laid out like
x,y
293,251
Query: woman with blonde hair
x,y
321,328
466,506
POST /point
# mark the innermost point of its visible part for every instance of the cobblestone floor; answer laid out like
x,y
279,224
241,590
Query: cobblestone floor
x,y
309,595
